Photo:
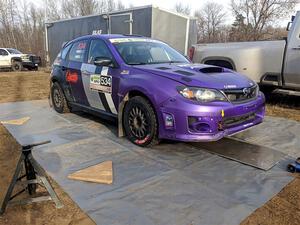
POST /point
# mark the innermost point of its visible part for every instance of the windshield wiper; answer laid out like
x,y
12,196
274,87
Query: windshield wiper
x,y
175,62
137,63
158,62
166,62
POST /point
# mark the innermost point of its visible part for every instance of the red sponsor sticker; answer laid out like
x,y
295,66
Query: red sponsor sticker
x,y
81,45
71,77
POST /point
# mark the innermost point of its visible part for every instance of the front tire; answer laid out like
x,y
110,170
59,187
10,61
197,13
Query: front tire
x,y
58,99
140,122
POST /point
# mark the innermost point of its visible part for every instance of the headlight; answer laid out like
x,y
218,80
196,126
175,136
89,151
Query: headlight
x,y
201,94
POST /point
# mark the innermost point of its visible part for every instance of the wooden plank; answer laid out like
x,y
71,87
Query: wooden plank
x,y
100,173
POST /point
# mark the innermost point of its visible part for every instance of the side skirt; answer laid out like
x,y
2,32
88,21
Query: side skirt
x,y
96,112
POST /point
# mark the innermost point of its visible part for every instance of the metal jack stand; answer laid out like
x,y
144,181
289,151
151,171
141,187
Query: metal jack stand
x,y
34,175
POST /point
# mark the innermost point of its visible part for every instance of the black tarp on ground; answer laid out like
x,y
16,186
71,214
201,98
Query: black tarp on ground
x,y
172,183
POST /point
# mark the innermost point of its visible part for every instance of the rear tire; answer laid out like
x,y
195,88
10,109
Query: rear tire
x,y
16,66
58,99
140,123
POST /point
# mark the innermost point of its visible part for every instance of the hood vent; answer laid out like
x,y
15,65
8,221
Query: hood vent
x,y
163,68
186,73
212,70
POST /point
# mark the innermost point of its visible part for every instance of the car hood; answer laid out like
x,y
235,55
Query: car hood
x,y
22,55
199,75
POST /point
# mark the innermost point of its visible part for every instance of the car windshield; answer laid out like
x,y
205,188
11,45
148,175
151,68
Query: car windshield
x,y
138,51
13,51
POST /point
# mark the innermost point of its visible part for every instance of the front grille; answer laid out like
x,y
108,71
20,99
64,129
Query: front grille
x,y
241,95
236,120
35,59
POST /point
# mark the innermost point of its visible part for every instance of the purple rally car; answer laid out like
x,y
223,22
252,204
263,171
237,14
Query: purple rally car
x,y
153,91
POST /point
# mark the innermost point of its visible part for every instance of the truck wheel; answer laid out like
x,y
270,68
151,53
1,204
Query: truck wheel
x,y
140,123
16,66
58,99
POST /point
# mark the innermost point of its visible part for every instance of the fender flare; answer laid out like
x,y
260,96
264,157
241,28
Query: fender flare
x,y
122,104
18,59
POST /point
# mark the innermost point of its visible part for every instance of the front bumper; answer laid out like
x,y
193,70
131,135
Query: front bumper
x,y
30,64
193,122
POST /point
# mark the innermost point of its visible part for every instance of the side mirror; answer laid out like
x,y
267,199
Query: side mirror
x,y
289,23
288,27
103,61
292,18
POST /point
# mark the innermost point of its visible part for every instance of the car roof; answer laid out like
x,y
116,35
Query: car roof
x,y
107,36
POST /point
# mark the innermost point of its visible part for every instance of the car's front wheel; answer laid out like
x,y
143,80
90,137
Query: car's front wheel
x,y
140,122
58,99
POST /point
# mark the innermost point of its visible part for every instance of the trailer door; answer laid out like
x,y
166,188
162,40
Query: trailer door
x,y
120,23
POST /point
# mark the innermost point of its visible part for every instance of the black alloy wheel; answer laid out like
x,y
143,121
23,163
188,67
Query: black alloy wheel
x,y
58,99
140,122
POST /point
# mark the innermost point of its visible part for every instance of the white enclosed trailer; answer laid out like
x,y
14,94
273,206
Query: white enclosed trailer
x,y
177,30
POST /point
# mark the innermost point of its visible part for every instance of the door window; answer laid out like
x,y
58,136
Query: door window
x,y
78,51
98,49
3,52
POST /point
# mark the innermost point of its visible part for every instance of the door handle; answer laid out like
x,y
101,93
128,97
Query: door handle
x,y
85,72
296,48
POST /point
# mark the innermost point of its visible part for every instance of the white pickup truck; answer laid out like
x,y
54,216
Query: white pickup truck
x,y
273,64
13,59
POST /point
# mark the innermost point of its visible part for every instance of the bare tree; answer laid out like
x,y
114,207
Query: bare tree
x,y
181,8
53,10
253,16
210,22
75,8
22,23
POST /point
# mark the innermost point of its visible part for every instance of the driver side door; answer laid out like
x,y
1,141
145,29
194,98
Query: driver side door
x,y
100,82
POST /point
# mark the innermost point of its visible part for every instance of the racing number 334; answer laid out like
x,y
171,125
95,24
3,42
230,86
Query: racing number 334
x,y
101,83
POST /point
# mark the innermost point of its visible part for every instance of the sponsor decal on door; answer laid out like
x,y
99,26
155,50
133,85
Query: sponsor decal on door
x,y
102,83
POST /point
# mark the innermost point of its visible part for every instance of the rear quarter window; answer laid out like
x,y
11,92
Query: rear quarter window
x,y
78,51
64,51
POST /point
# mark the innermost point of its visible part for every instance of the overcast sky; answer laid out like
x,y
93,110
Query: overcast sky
x,y
194,5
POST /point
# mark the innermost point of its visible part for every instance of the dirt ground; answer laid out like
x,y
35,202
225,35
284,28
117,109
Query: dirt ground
x,y
283,106
23,86
283,209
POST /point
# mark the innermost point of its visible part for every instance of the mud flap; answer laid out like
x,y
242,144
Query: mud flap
x,y
49,96
120,116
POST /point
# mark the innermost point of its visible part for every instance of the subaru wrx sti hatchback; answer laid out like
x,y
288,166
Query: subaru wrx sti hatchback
x,y
154,91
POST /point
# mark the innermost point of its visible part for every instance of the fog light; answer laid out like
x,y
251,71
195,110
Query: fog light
x,y
199,124
169,120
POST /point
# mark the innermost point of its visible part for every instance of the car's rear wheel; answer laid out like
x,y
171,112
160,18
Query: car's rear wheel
x,y
16,66
140,122
58,99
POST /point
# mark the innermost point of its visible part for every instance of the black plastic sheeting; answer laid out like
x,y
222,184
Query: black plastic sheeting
x,y
172,183
251,154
